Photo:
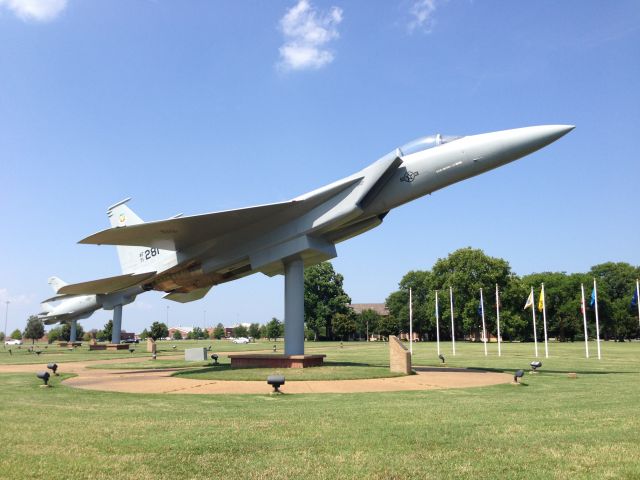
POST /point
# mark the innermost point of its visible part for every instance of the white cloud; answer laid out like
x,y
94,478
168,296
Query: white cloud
x,y
38,10
20,299
307,32
422,13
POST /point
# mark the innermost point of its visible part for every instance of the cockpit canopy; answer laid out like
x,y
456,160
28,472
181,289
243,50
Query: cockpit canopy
x,y
423,143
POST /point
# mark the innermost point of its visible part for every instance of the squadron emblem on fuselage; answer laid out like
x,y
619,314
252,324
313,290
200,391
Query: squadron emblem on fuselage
x,y
408,176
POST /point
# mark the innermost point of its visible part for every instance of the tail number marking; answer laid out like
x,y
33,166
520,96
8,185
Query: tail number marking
x,y
149,253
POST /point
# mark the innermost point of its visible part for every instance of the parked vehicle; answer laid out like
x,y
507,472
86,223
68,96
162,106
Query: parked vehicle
x,y
241,340
13,342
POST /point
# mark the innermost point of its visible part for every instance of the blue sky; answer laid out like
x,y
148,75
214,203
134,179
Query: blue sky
x,y
201,106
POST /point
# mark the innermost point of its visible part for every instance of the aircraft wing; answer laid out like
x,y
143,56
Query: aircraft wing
x,y
106,285
183,232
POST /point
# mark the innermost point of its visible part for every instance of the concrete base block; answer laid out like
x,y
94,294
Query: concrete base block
x,y
266,360
117,346
97,346
399,356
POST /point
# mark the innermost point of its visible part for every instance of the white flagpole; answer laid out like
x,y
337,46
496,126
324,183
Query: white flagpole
x,y
584,320
437,324
533,319
637,299
410,323
595,291
498,318
453,331
484,329
544,322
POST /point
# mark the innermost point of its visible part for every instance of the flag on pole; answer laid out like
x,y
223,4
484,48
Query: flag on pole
x,y
541,300
592,302
634,300
529,301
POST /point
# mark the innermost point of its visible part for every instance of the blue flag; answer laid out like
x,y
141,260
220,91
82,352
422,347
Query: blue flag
x,y
634,300
592,302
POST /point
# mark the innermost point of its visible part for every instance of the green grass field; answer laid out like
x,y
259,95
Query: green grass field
x,y
552,427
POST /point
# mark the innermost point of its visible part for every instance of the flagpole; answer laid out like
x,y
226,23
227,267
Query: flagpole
x,y
410,323
437,325
533,319
595,291
498,318
453,331
544,322
637,300
584,320
484,329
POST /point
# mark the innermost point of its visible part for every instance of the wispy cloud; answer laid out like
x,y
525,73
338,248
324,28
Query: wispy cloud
x,y
15,299
422,15
36,10
307,31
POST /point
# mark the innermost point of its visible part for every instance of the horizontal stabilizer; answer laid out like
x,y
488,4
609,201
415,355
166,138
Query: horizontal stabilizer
x,y
187,297
184,232
106,285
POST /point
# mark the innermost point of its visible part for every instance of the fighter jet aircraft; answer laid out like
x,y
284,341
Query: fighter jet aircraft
x,y
185,257
72,308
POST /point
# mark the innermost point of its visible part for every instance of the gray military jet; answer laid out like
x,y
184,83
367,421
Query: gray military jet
x,y
185,257
71,308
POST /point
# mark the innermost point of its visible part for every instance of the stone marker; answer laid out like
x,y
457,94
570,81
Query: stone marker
x,y
151,345
195,354
93,342
572,375
399,356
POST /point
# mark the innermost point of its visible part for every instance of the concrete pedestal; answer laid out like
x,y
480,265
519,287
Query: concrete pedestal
x,y
267,360
294,307
117,324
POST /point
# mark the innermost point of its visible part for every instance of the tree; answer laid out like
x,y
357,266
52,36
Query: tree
x,y
367,322
34,329
16,334
274,329
54,334
324,297
254,330
158,330
177,335
344,325
1,336
65,331
105,333
144,334
388,326
240,331
218,332
196,334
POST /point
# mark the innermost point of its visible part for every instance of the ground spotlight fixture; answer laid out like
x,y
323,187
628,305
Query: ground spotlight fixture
x,y
341,345
10,352
274,348
38,352
154,356
44,376
53,367
535,365
131,350
209,348
441,357
173,346
276,381
214,357
518,374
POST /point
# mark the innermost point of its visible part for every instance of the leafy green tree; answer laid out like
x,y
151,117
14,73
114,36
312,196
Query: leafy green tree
x,y
1,336
144,334
197,334
158,330
16,334
87,337
263,331
275,329
388,325
34,329
65,333
104,335
54,335
344,325
324,297
241,331
254,330
218,332
367,321
177,335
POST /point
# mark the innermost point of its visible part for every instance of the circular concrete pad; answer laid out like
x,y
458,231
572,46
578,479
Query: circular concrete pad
x,y
161,381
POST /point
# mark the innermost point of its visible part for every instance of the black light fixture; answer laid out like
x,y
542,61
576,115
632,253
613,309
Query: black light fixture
x,y
173,346
10,352
518,374
214,357
276,381
274,348
209,348
441,357
38,352
154,356
44,376
535,365
131,350
53,367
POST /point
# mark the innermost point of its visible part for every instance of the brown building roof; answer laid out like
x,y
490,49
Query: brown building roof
x,y
379,308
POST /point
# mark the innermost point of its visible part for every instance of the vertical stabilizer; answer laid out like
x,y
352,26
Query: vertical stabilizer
x,y
56,284
137,259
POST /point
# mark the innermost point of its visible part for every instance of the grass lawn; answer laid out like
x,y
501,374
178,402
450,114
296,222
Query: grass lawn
x,y
553,427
